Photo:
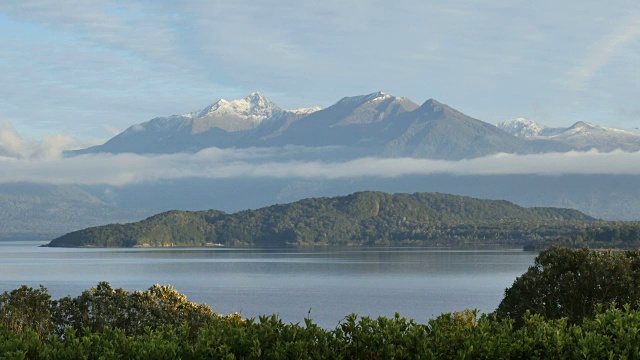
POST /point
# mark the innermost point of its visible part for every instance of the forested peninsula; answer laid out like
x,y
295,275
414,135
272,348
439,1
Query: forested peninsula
x,y
364,218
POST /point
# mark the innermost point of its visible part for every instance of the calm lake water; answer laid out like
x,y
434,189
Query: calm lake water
x,y
416,282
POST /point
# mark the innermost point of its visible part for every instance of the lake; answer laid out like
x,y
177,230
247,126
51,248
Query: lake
x,y
419,283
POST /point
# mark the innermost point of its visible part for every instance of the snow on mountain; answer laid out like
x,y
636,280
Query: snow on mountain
x,y
586,136
581,135
255,106
305,111
521,127
525,128
241,114
234,115
585,128
370,108
363,99
371,124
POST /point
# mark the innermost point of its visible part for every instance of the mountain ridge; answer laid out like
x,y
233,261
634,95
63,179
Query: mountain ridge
x,y
375,124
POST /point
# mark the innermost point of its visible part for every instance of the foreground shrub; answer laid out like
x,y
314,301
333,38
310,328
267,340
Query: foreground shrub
x,y
101,308
570,283
105,308
26,308
612,333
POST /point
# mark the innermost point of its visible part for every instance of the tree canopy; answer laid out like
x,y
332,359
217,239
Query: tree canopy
x,y
571,283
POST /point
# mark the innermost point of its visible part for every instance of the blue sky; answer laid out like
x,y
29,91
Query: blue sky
x,y
90,68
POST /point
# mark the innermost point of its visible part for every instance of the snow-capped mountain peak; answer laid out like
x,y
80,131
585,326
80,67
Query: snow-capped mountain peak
x,y
522,127
305,111
585,128
379,96
581,125
234,115
363,99
255,107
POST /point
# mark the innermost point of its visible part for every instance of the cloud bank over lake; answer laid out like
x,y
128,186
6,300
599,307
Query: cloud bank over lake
x,y
214,163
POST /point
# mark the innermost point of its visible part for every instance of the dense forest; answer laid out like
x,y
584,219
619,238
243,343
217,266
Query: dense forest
x,y
571,304
365,218
618,235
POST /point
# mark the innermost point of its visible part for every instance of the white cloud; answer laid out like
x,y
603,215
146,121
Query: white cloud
x,y
14,147
112,130
11,145
213,163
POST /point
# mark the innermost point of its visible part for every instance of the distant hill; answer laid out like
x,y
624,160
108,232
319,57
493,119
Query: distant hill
x,y
365,218
609,197
38,211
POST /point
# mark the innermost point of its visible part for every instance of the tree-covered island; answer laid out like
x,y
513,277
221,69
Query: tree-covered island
x,y
364,218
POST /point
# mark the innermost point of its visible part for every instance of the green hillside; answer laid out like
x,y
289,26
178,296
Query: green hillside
x,y
364,218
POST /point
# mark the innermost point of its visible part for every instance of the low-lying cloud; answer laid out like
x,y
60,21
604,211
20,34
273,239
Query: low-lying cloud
x,y
214,163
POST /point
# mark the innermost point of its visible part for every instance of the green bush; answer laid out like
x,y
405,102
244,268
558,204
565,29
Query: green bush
x,y
612,333
103,307
26,308
571,283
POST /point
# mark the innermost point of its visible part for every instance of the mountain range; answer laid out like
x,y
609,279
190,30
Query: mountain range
x,y
376,124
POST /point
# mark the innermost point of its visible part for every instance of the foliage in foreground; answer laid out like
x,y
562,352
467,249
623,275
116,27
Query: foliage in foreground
x,y
571,283
614,333
101,308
